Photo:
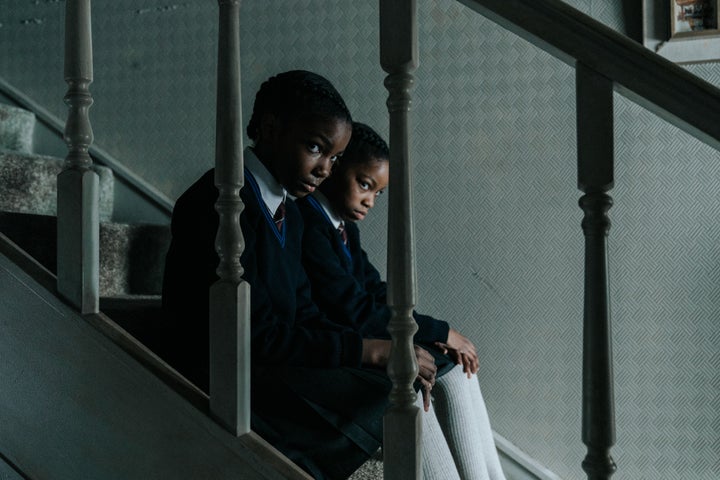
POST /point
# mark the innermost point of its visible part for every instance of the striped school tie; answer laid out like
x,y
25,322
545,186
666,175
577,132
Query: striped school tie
x,y
279,216
342,232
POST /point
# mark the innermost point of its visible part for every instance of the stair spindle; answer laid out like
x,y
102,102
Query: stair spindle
x,y
595,178
78,237
402,427
230,295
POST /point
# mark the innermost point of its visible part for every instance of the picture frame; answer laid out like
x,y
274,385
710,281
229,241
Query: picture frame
x,y
683,31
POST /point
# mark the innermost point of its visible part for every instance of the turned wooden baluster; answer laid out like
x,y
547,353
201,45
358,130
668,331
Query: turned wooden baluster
x,y
595,178
398,54
78,236
230,295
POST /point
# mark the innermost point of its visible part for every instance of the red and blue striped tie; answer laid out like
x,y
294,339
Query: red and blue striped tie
x,y
279,216
343,233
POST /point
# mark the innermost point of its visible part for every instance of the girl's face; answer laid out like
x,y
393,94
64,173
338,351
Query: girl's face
x,y
357,186
300,153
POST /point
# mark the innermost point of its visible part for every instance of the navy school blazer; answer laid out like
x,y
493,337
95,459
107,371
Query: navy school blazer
x,y
287,327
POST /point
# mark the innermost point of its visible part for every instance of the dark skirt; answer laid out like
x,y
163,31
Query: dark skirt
x,y
327,421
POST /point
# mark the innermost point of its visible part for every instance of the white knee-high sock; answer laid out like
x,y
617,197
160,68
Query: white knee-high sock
x,y
489,448
464,420
437,461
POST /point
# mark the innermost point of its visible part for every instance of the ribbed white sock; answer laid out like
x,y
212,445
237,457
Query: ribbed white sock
x,y
437,461
462,415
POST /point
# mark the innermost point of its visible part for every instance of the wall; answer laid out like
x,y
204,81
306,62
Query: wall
x,y
498,227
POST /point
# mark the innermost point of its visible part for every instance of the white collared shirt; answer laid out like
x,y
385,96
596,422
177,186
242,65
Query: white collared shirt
x,y
273,194
325,203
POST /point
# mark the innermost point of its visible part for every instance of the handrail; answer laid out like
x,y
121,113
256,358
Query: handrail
x,y
637,73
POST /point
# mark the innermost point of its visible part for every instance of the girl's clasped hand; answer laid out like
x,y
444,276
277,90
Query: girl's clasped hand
x,y
376,353
462,351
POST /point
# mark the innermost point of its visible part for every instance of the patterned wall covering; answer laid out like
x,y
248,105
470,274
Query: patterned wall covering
x,y
498,227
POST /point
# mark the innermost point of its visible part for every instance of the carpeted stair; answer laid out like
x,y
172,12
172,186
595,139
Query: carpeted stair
x,y
131,256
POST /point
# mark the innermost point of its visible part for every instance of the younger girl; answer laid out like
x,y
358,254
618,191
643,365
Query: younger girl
x,y
317,393
347,287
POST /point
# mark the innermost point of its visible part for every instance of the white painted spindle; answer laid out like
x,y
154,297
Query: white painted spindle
x,y
230,295
398,57
78,237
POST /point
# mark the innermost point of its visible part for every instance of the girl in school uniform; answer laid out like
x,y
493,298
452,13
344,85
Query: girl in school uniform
x,y
348,288
319,388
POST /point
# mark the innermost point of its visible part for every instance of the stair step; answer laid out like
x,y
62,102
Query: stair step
x,y
16,129
370,470
29,184
132,257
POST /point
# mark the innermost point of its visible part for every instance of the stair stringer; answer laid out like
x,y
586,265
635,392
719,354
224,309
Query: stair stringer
x,y
76,404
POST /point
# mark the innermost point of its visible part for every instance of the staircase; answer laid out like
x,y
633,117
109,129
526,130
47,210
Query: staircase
x,y
131,255
77,406
131,263
95,410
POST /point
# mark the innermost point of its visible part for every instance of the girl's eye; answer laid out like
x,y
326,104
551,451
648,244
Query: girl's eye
x,y
379,192
334,159
314,148
364,185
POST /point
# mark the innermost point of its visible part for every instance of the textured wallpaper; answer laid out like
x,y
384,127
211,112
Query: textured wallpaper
x,y
497,223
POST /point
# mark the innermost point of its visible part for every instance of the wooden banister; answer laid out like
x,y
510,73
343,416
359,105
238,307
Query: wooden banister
x,y
399,58
637,73
596,178
78,230
230,295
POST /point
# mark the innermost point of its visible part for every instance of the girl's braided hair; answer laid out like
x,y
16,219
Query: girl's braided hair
x,y
296,93
365,143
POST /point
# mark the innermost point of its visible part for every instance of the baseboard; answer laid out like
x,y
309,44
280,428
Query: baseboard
x,y
10,471
518,465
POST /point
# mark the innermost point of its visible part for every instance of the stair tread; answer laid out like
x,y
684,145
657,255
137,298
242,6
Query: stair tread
x,y
17,126
29,184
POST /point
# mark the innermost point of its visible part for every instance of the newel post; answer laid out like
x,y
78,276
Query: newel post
x,y
230,295
399,57
78,224
596,178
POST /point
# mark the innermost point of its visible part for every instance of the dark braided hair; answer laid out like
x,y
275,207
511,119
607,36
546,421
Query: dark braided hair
x,y
364,143
293,94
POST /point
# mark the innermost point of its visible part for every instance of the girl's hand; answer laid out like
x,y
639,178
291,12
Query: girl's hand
x,y
462,350
426,373
376,352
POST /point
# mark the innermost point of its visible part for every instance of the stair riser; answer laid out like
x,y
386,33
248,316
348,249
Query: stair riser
x,y
132,257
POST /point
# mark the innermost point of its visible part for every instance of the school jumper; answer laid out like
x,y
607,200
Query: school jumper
x,y
345,285
310,397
